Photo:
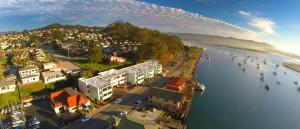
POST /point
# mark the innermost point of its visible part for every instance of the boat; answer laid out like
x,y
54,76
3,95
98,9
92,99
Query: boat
x,y
267,87
265,62
277,65
257,67
200,87
296,83
274,73
278,83
208,58
261,74
298,89
239,64
262,78
244,69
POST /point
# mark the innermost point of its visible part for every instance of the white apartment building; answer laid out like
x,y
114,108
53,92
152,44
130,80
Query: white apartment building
x,y
7,85
96,88
29,74
100,86
52,76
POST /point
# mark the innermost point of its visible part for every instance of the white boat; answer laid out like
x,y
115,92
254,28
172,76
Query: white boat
x,y
201,87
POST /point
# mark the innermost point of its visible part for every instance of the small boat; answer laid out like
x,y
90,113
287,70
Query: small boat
x,y
262,78
298,89
296,83
239,64
284,73
261,74
208,58
200,87
257,67
278,83
277,65
274,73
267,87
265,62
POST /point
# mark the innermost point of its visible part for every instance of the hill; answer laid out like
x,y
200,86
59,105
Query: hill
x,y
225,41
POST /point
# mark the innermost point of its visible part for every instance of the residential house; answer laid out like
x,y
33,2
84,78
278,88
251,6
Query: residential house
x,y
39,55
169,100
68,67
7,85
4,45
68,100
52,76
29,74
115,58
49,66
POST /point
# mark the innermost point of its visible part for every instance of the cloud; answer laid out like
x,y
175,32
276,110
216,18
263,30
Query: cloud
x,y
103,12
264,25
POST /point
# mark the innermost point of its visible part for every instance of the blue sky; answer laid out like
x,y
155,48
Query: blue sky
x,y
276,22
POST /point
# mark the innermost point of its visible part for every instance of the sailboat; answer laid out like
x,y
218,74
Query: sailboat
x,y
208,56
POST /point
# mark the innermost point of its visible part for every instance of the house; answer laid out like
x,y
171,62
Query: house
x,y
131,122
175,83
29,74
7,85
52,76
100,86
115,58
68,67
96,88
4,45
68,100
39,55
166,99
48,66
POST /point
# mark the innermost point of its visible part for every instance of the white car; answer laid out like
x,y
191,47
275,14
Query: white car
x,y
27,104
85,118
117,101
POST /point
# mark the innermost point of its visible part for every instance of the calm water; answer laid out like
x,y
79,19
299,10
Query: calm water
x,y
234,99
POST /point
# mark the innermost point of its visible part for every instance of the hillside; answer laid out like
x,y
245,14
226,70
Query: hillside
x,y
225,41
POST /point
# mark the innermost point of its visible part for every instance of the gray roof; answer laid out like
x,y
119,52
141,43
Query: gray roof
x,y
134,123
166,94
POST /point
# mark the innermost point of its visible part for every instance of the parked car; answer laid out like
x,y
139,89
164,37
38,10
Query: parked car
x,y
26,104
85,118
138,103
117,101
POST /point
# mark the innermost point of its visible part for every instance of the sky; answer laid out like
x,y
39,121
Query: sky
x,y
272,21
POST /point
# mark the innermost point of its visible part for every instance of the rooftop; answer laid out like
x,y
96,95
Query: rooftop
x,y
51,73
68,97
166,94
28,67
7,82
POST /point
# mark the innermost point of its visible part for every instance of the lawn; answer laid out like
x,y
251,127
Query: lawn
x,y
84,64
32,89
9,98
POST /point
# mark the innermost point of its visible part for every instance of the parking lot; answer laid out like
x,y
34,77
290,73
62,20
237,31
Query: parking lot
x,y
42,110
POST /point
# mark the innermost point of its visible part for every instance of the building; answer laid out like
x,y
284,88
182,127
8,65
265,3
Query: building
x,y
166,99
100,86
39,55
68,100
96,88
175,83
49,66
29,74
68,67
115,58
7,85
131,122
4,45
52,76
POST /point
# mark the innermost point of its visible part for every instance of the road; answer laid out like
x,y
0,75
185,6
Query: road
x,y
98,120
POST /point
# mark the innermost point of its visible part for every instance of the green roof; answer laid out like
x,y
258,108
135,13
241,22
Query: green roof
x,y
166,94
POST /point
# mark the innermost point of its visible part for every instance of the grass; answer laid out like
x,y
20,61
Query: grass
x,y
36,88
9,98
84,64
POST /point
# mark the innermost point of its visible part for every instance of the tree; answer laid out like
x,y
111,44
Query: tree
x,y
87,74
95,55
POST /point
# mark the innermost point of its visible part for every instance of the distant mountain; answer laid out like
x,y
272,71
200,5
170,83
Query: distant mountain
x,y
225,41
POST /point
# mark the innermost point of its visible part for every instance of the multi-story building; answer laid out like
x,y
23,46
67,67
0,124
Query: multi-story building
x,y
7,85
169,100
52,76
29,74
100,86
96,88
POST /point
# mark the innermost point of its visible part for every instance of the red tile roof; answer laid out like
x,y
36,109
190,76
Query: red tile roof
x,y
176,81
63,97
175,88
